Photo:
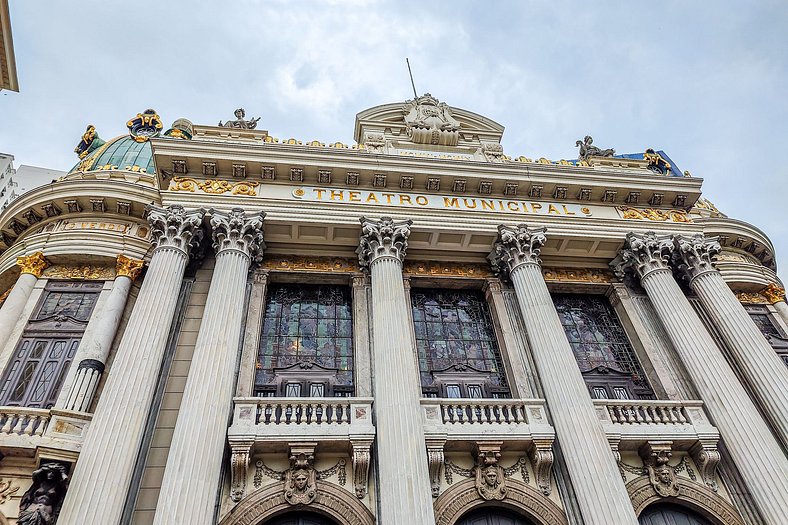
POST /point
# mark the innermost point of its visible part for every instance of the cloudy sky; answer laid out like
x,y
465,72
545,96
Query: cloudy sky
x,y
706,83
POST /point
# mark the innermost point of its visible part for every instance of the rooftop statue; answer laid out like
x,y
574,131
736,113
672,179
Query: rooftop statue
x,y
89,142
239,121
588,150
430,121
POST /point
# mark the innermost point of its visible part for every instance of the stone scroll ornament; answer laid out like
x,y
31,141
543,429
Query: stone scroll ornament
x,y
40,505
643,254
383,238
694,255
515,246
175,227
234,230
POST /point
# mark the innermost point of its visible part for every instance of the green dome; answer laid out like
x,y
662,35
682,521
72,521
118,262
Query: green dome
x,y
120,153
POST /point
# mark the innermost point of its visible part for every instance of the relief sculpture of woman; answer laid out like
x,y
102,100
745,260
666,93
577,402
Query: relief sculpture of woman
x,y
40,505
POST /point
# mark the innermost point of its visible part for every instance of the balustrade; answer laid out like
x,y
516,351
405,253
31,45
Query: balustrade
x,y
23,421
32,428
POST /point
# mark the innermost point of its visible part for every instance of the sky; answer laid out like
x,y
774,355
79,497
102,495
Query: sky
x,y
706,84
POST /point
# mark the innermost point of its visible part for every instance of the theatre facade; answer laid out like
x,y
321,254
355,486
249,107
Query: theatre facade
x,y
209,325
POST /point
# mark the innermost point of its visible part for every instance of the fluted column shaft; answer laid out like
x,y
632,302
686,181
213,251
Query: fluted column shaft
x,y
760,365
782,309
600,492
401,450
103,473
752,446
31,266
191,477
93,351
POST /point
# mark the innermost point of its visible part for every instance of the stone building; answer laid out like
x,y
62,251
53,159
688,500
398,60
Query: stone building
x,y
206,324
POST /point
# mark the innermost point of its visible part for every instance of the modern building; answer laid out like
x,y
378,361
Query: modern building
x,y
8,78
15,182
206,324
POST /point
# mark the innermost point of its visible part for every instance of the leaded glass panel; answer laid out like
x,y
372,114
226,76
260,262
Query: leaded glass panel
x,y
600,346
306,325
454,330
763,320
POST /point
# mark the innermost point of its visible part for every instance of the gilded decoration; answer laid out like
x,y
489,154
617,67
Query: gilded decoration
x,y
214,186
435,268
773,293
88,143
309,264
651,214
751,298
128,267
85,272
145,125
577,275
34,264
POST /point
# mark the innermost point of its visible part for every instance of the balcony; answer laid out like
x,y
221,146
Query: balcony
x,y
631,423
275,424
60,432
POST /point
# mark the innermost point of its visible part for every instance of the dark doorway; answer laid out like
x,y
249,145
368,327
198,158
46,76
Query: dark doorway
x,y
493,517
300,518
667,514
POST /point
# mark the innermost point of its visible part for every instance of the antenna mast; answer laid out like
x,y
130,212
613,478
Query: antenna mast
x,y
415,96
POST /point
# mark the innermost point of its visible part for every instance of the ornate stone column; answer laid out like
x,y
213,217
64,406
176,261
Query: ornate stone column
x,y
752,446
401,452
600,492
31,267
763,370
191,478
776,295
103,472
93,351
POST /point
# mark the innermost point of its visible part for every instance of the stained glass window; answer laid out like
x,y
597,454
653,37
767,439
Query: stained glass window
x,y
454,331
763,320
306,325
48,345
601,347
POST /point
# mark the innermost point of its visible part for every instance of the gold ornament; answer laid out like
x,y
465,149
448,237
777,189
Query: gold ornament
x,y
182,184
773,293
577,275
128,267
34,264
86,272
751,298
651,214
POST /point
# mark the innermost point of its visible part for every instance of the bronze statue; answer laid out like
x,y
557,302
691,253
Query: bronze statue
x,y
40,505
239,121
587,149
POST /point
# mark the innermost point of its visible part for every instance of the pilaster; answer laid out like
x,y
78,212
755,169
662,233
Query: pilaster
x,y
401,459
600,492
191,477
113,440
754,449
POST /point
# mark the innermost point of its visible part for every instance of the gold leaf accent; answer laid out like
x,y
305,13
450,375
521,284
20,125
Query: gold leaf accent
x,y
215,186
447,269
245,188
85,272
310,264
773,293
751,298
577,275
651,214
33,264
182,184
128,267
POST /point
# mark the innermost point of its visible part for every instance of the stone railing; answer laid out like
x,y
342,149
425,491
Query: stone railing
x,y
268,420
23,421
476,419
630,423
31,428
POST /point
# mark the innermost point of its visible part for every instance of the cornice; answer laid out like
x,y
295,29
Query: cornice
x,y
737,235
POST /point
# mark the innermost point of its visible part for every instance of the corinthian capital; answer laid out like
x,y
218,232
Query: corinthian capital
x,y
773,293
694,255
515,246
34,264
175,227
383,238
126,266
642,254
233,230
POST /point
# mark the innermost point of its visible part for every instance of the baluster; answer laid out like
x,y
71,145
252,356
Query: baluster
x,y
43,422
7,425
31,422
519,413
639,417
345,414
673,418
682,415
18,426
651,416
462,413
660,411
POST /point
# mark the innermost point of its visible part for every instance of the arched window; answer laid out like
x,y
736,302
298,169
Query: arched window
x,y
301,518
458,352
603,352
41,359
669,514
306,344
492,517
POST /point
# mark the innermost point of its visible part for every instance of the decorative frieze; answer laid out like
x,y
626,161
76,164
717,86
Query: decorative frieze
x,y
751,298
87,272
577,275
446,269
297,263
214,186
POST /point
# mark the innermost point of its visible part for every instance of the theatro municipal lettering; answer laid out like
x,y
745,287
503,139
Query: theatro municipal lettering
x,y
409,200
